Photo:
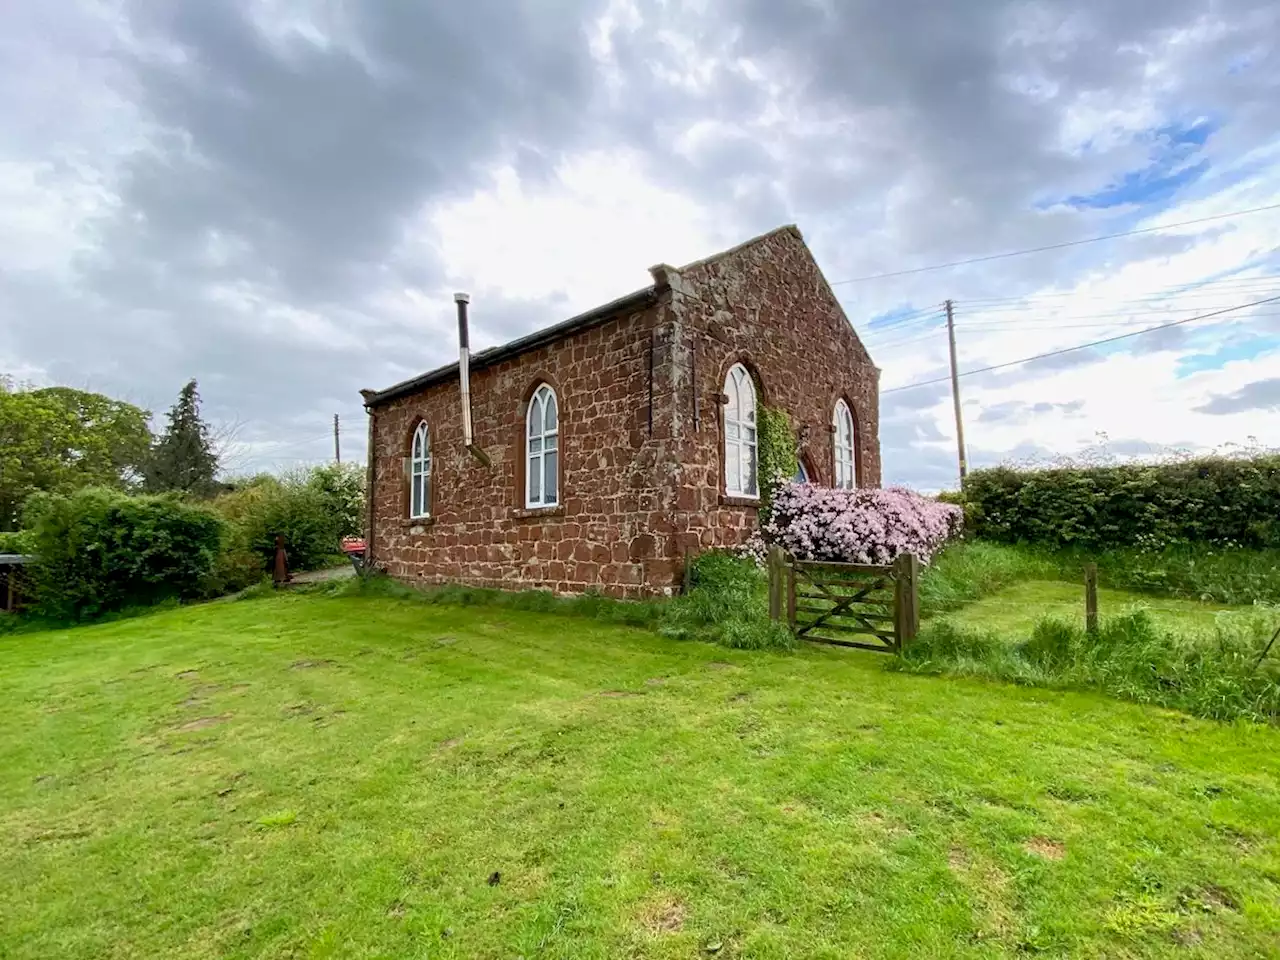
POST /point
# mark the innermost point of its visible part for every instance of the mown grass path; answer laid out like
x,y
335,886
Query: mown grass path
x,y
312,777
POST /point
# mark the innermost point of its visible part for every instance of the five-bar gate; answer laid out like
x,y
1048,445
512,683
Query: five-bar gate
x,y
847,604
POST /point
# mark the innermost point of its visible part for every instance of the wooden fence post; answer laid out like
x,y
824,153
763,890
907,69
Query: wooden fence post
x,y
791,596
1091,597
906,599
777,575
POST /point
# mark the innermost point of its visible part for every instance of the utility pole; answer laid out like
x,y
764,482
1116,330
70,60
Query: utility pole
x,y
337,449
955,391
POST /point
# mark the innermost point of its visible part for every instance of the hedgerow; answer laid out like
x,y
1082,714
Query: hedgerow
x,y
1226,501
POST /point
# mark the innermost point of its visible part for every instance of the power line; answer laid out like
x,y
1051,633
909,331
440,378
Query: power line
x,y
983,318
1192,288
1049,324
1082,346
1055,246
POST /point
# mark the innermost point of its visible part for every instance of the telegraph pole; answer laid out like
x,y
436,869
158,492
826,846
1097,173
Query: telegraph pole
x,y
955,391
337,449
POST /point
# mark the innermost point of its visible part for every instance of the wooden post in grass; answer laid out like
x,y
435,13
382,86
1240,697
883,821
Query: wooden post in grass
x,y
906,599
791,596
777,578
1091,597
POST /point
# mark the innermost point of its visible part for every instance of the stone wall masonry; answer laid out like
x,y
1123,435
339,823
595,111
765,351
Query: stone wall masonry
x,y
768,306
640,463
607,532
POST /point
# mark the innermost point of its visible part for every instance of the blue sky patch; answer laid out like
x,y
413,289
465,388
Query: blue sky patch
x,y
1244,348
1171,167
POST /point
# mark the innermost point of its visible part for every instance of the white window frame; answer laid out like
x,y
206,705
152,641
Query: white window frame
x,y
541,440
740,437
844,438
420,473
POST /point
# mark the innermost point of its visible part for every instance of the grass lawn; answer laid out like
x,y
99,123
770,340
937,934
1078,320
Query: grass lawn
x,y
1015,609
362,777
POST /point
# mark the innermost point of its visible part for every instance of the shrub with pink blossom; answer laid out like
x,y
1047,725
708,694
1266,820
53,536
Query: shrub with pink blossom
x,y
858,526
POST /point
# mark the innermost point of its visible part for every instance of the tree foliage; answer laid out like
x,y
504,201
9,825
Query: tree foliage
x,y
57,439
1227,501
99,550
312,509
183,459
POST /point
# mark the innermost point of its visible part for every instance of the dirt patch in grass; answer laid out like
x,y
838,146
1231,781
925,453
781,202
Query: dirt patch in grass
x,y
619,693
655,681
719,665
187,674
1208,898
309,664
664,915
450,743
202,723
1045,848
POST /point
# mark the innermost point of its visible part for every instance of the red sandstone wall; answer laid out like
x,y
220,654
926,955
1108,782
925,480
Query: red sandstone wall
x,y
635,495
479,533
767,304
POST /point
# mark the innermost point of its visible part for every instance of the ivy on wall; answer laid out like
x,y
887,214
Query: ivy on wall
x,y
776,443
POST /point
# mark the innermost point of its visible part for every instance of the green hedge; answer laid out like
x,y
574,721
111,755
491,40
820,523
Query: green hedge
x,y
98,550
311,518
1223,501
19,541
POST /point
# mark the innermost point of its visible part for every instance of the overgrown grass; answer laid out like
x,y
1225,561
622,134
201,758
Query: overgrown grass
x,y
342,777
728,604
593,606
970,570
973,569
1224,673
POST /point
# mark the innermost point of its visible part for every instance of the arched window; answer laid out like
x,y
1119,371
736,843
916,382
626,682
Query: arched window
x,y
846,476
542,452
740,433
420,473
802,472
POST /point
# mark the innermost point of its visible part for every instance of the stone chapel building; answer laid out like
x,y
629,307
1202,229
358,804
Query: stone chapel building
x,y
608,446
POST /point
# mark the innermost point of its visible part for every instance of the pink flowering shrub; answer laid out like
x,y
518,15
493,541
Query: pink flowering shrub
x,y
858,526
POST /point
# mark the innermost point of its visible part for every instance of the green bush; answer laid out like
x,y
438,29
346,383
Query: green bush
x,y
1229,502
98,550
1220,674
20,541
305,509
728,604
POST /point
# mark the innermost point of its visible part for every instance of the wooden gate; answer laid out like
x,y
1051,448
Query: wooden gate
x,y
847,604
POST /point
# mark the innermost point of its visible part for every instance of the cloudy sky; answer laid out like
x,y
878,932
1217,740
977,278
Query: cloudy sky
x,y
279,197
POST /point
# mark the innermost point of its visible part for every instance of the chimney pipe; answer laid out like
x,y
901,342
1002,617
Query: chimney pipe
x,y
464,366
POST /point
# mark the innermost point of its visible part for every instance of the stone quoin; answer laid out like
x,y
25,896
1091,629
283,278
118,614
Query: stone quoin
x,y
646,458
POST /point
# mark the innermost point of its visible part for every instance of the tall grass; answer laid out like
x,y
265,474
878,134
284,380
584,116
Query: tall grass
x,y
970,570
728,605
1221,674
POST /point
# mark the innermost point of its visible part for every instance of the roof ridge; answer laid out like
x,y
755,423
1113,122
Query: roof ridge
x,y
786,227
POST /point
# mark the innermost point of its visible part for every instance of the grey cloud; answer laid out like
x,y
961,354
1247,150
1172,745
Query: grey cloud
x,y
1170,338
1258,395
1013,410
287,168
